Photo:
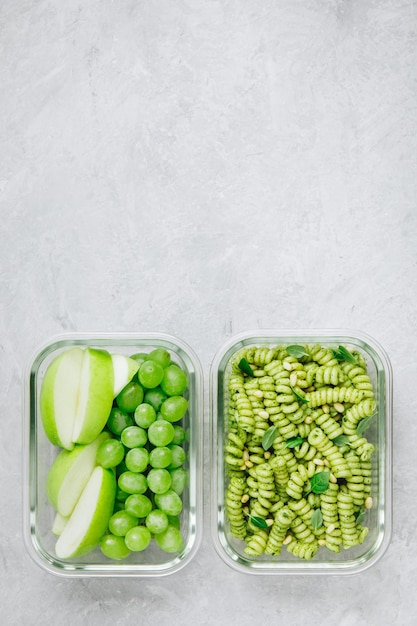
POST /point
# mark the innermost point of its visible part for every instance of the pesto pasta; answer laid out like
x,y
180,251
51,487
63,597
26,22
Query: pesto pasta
x,y
298,463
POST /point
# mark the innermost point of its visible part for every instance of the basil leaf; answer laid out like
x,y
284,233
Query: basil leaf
x,y
320,482
259,522
296,351
346,355
360,516
341,440
297,395
363,425
316,520
294,442
245,367
269,436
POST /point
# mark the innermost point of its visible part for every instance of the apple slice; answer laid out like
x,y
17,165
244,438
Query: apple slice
x,y
124,368
95,395
91,515
59,524
69,474
59,397
77,393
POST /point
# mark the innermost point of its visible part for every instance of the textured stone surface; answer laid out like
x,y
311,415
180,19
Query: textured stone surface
x,y
202,168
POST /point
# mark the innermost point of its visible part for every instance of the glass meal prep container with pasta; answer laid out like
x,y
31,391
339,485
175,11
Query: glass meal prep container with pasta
x,y
113,454
301,447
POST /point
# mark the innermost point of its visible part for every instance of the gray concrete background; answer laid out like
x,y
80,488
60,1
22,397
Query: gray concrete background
x,y
202,168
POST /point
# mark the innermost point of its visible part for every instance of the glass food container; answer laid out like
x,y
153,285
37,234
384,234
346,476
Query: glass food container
x,y
374,510
39,454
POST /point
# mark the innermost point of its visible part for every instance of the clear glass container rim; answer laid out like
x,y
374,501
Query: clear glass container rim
x,y
307,335
120,337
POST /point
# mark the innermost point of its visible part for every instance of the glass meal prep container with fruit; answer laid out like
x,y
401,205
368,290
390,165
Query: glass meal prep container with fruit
x,y
42,523
301,452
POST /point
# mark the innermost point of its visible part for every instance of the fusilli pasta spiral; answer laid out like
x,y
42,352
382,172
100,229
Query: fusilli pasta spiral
x,y
308,409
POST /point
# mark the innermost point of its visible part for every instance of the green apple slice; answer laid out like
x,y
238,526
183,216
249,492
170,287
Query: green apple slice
x,y
69,474
124,368
91,515
59,524
95,395
59,396
77,393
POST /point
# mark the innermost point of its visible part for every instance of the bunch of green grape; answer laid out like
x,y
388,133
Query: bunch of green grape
x,y
147,452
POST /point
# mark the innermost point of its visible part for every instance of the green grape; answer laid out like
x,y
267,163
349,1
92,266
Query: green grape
x,y
155,397
160,433
121,495
120,522
110,453
174,408
138,505
150,374
174,520
130,397
145,414
139,357
178,456
121,468
161,356
131,482
174,382
138,538
159,480
119,505
160,457
169,502
179,434
134,437
118,421
137,460
114,547
170,540
179,479
156,521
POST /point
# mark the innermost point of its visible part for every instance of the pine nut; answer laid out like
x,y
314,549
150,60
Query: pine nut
x,y
258,393
368,503
333,478
244,498
331,528
339,407
263,414
325,408
318,461
287,366
293,379
287,540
